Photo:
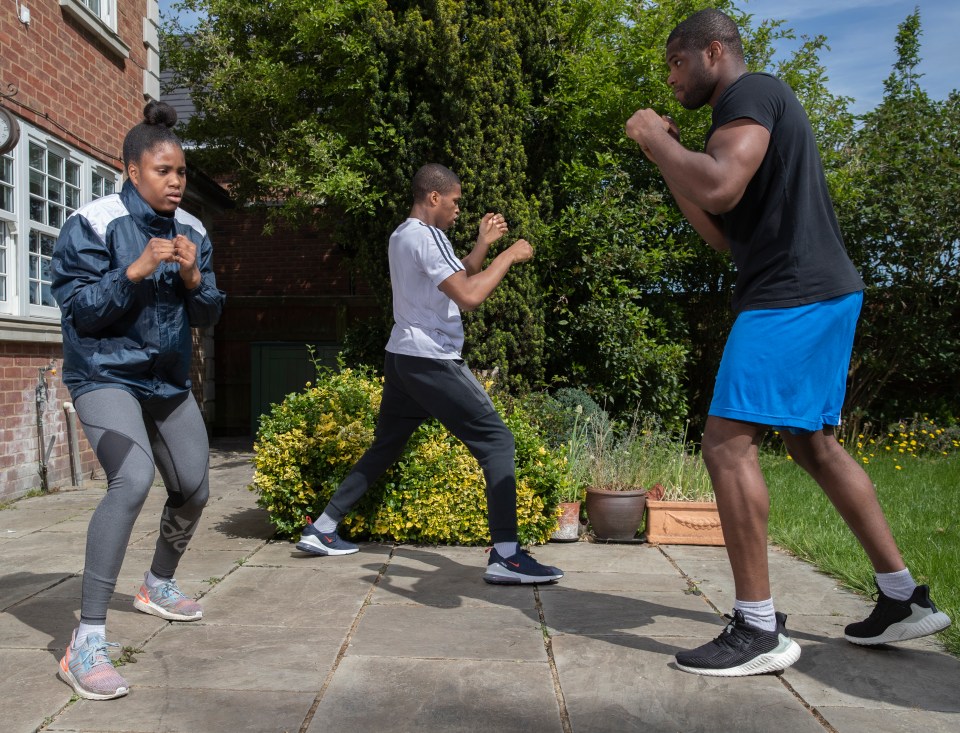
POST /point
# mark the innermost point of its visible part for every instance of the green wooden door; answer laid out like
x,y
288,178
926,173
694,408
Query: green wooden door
x,y
282,367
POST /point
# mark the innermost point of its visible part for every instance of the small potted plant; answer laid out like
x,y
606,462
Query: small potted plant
x,y
568,523
613,462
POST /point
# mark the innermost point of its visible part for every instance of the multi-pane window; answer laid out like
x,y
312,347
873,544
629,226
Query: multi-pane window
x,y
6,204
42,182
54,186
6,183
103,9
41,252
3,262
101,185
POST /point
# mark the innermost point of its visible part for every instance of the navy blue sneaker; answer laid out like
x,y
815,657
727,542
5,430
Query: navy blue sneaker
x,y
324,543
519,568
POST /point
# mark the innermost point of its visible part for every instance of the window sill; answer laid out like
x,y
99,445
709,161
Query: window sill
x,y
79,12
30,330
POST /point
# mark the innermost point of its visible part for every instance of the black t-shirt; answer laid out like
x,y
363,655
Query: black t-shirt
x,y
783,234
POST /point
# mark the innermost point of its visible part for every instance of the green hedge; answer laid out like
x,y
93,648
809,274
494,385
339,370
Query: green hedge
x,y
433,495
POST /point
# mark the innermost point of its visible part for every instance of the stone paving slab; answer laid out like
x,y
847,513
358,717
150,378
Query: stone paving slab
x,y
796,587
188,710
237,658
470,632
48,619
17,585
596,557
836,673
859,720
437,696
445,578
41,694
572,611
295,598
37,547
367,563
613,684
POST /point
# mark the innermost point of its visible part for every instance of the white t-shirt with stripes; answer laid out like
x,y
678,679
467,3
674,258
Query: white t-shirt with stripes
x,y
426,322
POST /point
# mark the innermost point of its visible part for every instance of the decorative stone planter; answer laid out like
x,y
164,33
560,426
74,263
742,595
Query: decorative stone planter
x,y
683,523
616,515
568,525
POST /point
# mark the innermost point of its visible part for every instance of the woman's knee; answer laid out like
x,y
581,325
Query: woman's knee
x,y
191,499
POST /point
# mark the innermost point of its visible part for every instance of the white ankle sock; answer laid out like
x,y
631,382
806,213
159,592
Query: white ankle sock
x,y
898,586
506,549
325,524
83,630
758,613
152,581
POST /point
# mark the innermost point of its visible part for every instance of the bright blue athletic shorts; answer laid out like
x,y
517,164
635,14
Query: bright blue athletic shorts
x,y
787,367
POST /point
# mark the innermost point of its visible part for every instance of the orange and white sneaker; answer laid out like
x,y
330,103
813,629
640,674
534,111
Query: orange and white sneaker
x,y
88,670
166,600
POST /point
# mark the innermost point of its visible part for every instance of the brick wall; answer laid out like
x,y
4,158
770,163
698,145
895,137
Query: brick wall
x,y
291,286
75,86
70,83
20,458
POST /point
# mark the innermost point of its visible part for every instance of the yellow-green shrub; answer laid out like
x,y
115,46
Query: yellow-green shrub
x,y
434,494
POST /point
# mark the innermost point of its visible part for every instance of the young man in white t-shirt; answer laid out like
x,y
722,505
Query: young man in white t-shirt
x,y
425,375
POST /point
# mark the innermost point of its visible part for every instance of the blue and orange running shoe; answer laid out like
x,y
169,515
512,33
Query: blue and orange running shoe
x,y
167,601
88,670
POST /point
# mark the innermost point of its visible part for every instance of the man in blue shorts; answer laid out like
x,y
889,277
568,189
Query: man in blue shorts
x,y
759,191
425,375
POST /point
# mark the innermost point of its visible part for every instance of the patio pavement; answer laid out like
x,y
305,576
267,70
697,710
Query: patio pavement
x,y
407,638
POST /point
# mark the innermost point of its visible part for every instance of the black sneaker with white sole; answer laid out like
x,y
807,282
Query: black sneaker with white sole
x,y
316,542
893,620
741,650
519,568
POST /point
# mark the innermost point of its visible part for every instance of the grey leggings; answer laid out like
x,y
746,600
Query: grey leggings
x,y
132,439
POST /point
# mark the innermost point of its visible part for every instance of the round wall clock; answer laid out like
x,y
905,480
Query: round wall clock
x,y
9,131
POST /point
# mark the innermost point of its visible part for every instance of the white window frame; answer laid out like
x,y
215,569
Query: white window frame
x,y
18,224
102,23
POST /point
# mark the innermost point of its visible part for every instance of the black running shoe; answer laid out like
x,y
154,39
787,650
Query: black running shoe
x,y
324,543
742,650
519,568
893,620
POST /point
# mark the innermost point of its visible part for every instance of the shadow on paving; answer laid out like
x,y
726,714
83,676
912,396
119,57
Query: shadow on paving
x,y
253,523
49,613
869,673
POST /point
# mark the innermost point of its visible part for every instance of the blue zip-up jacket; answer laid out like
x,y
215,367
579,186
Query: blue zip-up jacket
x,y
117,333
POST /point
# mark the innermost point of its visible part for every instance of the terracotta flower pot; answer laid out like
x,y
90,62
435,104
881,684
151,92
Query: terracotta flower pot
x,y
568,525
683,523
616,515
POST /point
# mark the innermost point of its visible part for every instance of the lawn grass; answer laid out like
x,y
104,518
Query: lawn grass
x,y
920,501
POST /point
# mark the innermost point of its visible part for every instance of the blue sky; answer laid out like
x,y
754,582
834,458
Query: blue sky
x,y
862,39
861,35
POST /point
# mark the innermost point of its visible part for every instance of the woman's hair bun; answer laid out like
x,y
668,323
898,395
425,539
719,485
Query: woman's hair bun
x,y
159,113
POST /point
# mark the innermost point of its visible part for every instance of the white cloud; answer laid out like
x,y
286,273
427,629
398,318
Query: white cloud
x,y
862,39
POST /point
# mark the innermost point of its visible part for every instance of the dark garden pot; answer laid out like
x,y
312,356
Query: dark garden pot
x,y
616,515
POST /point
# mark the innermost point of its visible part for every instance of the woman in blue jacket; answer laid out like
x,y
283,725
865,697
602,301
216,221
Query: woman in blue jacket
x,y
132,274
